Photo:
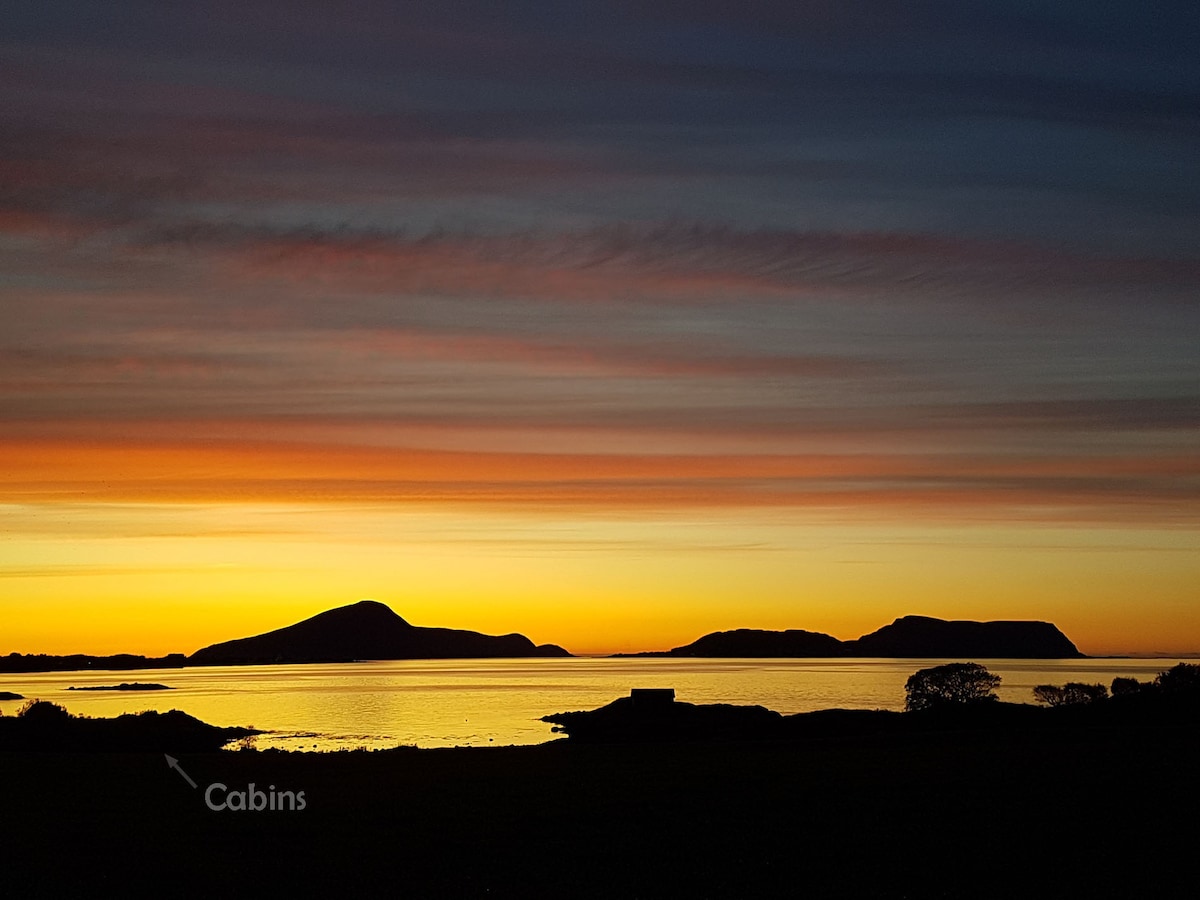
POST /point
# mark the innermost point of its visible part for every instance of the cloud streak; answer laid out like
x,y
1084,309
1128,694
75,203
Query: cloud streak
x,y
600,243
1079,487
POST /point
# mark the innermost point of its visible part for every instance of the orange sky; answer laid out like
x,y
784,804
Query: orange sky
x,y
157,548
611,334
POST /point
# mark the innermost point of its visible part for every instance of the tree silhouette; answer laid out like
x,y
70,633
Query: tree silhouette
x,y
1183,678
1073,693
948,685
1123,686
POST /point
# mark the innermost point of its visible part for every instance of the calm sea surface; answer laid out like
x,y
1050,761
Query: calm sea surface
x,y
445,703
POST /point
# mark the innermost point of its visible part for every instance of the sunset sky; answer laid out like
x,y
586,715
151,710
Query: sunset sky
x,y
611,323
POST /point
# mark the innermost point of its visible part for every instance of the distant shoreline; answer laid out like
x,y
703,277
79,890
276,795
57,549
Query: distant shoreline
x,y
152,663
123,686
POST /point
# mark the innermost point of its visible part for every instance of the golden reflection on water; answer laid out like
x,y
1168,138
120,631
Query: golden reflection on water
x,y
446,703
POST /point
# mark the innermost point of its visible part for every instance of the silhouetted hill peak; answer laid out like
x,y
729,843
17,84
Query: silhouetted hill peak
x,y
923,636
753,642
908,636
365,630
363,614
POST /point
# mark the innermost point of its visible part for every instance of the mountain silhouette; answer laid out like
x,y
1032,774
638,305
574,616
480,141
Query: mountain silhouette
x,y
923,636
751,642
365,630
908,636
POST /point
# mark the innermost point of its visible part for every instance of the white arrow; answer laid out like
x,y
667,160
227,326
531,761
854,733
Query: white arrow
x,y
174,764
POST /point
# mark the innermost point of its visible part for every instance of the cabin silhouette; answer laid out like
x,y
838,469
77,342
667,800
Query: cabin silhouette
x,y
649,699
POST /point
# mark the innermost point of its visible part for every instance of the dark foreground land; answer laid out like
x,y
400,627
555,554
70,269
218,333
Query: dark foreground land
x,y
1092,811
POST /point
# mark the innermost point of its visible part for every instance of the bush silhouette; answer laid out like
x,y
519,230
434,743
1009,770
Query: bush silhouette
x,y
1125,687
43,711
949,685
1183,678
1073,693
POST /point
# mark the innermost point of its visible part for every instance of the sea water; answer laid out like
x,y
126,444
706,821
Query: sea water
x,y
494,702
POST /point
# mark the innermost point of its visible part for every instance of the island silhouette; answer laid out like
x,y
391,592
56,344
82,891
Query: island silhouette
x,y
123,686
370,630
365,630
77,662
912,637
